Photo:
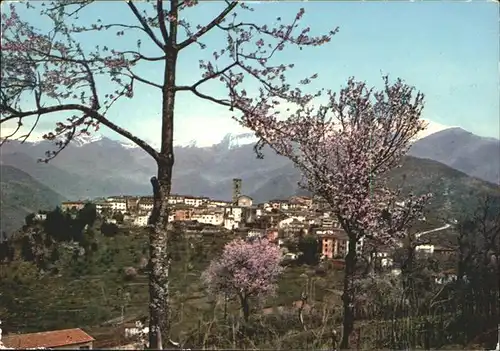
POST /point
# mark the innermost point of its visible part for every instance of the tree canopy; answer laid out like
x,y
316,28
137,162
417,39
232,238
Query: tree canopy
x,y
245,269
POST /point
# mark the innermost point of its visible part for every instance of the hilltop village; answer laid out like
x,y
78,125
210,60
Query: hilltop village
x,y
278,220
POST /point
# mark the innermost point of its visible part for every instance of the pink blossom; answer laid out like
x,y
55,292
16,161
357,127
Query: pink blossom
x,y
245,268
344,149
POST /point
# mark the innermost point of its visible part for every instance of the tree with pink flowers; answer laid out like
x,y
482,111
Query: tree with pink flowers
x,y
344,149
245,270
53,71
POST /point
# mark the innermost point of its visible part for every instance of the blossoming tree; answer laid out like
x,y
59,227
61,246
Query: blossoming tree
x,y
46,72
344,149
245,270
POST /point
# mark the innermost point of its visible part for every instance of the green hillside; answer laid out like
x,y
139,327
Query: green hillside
x,y
21,195
454,193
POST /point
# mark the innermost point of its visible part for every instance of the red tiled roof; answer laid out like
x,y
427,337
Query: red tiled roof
x,y
47,339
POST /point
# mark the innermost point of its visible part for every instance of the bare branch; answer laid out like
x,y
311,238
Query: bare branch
x,y
207,78
27,135
144,24
221,102
87,111
161,20
142,80
217,20
142,57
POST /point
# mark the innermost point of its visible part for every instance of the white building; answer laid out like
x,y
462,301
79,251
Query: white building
x,y
359,245
40,217
218,203
278,204
256,233
245,201
425,249
285,222
329,221
268,207
175,199
235,212
214,218
445,278
118,205
291,256
194,201
101,206
145,204
230,223
142,220
384,259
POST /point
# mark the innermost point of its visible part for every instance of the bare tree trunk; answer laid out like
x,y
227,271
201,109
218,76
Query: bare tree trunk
x,y
348,295
159,304
159,266
245,307
303,302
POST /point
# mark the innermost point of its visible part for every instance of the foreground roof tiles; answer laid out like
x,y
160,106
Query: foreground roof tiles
x,y
47,339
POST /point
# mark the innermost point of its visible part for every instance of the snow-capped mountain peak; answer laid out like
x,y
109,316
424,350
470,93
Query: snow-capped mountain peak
x,y
128,144
234,141
84,139
229,142
79,140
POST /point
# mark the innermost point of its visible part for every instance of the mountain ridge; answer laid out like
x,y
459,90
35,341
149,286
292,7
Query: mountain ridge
x,y
106,167
462,150
21,195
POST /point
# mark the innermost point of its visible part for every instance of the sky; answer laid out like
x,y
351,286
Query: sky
x,y
449,50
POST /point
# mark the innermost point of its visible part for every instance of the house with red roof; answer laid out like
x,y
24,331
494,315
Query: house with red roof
x,y
67,339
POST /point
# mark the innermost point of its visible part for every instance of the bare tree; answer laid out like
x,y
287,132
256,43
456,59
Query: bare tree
x,y
55,71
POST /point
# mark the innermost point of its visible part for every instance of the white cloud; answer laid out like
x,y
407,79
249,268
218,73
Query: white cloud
x,y
8,128
206,131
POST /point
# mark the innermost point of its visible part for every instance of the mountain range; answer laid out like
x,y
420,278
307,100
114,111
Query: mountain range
x,y
474,155
100,166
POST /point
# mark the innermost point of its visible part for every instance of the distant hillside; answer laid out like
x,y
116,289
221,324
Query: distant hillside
x,y
454,192
75,181
21,195
474,155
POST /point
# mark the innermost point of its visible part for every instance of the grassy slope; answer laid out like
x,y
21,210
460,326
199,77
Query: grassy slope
x,y
21,195
91,291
